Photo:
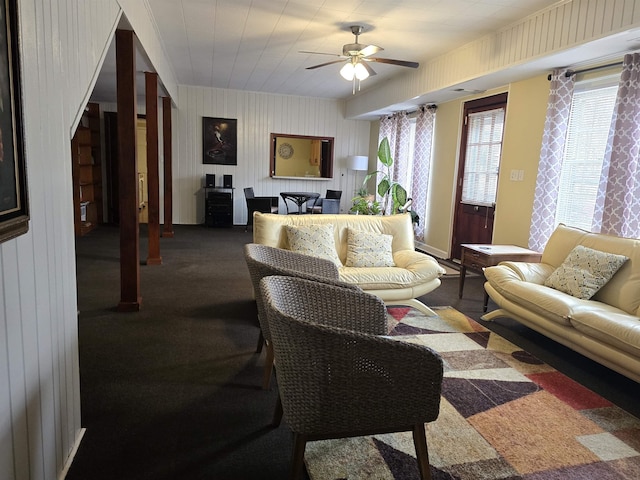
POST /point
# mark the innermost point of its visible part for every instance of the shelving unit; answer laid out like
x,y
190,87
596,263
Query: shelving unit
x,y
218,207
87,172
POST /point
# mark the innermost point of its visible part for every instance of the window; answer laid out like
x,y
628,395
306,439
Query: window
x,y
587,134
484,144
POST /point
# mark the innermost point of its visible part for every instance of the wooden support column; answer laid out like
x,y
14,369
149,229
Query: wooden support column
x,y
153,175
166,149
130,298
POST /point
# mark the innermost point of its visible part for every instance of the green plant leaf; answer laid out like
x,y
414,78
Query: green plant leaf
x,y
369,176
383,187
400,195
384,153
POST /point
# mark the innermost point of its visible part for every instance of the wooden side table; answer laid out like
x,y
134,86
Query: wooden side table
x,y
479,256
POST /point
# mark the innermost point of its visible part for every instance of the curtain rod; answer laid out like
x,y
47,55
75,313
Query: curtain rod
x,y
570,73
431,106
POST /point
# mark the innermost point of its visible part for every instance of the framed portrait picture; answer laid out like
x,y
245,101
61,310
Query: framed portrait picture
x,y
219,141
14,211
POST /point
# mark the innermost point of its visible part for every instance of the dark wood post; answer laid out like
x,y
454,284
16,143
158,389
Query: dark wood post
x,y
166,149
130,298
153,180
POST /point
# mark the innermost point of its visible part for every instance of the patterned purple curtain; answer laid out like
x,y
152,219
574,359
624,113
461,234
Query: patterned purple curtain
x,y
551,154
422,165
617,210
397,129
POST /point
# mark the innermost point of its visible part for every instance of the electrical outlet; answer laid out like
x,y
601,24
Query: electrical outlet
x,y
520,175
513,176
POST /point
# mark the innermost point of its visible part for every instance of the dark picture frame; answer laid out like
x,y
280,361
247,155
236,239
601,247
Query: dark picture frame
x,y
14,208
219,141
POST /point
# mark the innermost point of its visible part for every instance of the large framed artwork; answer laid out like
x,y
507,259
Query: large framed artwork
x,y
14,210
219,141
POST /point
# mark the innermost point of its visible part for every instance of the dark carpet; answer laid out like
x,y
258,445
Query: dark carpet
x,y
173,391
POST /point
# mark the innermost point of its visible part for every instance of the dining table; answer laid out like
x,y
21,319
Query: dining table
x,y
298,198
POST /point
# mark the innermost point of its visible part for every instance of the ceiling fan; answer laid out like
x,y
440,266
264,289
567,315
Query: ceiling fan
x,y
357,58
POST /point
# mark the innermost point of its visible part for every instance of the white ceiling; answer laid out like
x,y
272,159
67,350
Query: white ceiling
x,y
254,44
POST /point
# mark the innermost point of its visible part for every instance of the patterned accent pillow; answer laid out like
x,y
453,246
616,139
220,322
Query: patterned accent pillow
x,y
366,249
314,240
584,272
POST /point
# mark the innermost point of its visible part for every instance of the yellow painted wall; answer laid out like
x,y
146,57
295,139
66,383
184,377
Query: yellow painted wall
x,y
526,111
441,195
299,164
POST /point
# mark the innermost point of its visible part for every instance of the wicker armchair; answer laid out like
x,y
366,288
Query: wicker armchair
x,y
336,377
263,261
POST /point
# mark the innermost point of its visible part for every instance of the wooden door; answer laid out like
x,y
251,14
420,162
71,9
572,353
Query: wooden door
x,y
480,149
143,189
111,157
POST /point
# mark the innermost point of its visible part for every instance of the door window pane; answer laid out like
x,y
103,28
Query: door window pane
x,y
484,145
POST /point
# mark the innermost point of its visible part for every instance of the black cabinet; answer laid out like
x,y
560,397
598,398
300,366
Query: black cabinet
x,y
218,208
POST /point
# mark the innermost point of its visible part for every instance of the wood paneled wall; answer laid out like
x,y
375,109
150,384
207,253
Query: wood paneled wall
x,y
62,44
258,116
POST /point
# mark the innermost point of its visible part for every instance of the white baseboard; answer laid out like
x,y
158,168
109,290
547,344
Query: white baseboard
x,y
72,454
436,252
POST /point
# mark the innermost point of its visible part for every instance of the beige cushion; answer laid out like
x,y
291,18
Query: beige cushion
x,y
268,229
584,272
314,240
609,325
365,249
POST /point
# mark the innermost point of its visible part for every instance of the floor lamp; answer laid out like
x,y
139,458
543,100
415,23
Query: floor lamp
x,y
357,163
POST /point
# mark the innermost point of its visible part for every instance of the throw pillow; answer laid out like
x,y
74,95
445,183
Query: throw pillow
x,y
366,249
584,272
314,240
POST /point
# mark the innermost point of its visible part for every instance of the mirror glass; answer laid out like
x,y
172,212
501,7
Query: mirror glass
x,y
301,156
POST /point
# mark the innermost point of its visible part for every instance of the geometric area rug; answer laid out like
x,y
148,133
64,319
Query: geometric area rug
x,y
504,414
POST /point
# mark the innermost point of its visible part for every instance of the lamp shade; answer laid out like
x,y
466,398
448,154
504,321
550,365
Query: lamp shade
x,y
360,71
348,71
358,162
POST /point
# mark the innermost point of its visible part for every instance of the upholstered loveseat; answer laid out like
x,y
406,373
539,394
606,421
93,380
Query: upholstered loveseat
x,y
413,274
605,328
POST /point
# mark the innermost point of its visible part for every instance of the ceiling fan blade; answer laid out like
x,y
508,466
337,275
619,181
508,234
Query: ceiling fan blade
x,y
371,71
321,53
370,50
324,64
353,49
402,63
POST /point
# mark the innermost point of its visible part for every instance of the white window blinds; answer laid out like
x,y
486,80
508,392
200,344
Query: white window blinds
x,y
587,135
482,160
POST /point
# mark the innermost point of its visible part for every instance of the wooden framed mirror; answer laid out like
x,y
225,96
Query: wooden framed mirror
x,y
301,156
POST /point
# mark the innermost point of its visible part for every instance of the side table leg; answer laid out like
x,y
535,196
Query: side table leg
x,y
463,273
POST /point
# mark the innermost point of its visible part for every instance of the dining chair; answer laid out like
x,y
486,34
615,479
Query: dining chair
x,y
338,377
299,200
263,261
258,204
330,203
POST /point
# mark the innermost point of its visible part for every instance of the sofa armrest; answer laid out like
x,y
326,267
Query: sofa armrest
x,y
528,272
420,264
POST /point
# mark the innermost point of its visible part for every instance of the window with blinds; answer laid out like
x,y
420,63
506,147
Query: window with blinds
x,y
587,134
482,161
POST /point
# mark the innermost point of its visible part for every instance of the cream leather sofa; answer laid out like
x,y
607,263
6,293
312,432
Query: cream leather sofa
x,y
415,273
605,328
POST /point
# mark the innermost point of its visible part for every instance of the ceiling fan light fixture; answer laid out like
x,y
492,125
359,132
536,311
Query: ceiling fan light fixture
x,y
360,71
348,71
